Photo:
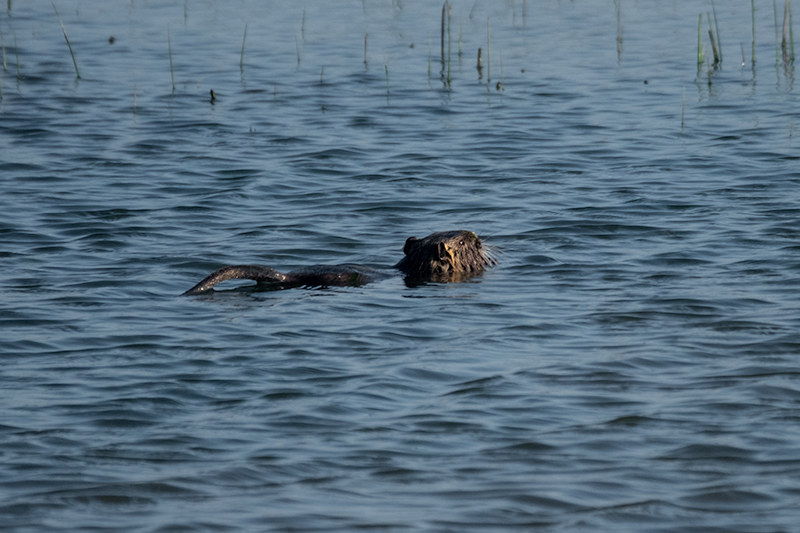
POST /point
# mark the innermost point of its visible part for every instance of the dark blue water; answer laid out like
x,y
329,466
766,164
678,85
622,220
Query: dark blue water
x,y
632,363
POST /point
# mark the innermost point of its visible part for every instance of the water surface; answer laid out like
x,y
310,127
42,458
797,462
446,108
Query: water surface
x,y
630,365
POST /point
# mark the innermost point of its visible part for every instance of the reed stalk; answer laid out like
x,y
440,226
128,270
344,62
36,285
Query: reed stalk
x,y
430,59
488,49
716,30
169,50
366,36
3,45
700,55
753,21
480,64
714,46
244,40
785,22
449,43
683,106
787,44
444,15
460,48
16,55
524,13
777,37
386,70
791,32
618,10
63,29
502,83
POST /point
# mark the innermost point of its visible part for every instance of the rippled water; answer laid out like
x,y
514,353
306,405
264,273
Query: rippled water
x,y
630,365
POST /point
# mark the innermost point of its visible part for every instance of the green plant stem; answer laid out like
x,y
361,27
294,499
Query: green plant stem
x,y
791,33
444,15
63,29
777,37
244,40
169,50
784,42
753,19
716,30
3,45
700,54
683,106
714,47
16,55
488,49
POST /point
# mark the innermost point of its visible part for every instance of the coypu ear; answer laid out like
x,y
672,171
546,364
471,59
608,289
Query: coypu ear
x,y
441,251
409,243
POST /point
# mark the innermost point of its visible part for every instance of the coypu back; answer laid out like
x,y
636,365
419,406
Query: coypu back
x,y
445,256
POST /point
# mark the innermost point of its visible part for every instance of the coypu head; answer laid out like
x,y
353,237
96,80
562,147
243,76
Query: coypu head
x,y
445,256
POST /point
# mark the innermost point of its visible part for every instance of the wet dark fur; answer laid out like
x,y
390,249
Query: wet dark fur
x,y
443,257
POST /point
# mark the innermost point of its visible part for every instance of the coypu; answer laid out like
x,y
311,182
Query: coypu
x,y
444,256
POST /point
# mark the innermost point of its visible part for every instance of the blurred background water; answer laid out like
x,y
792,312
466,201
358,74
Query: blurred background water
x,y
630,365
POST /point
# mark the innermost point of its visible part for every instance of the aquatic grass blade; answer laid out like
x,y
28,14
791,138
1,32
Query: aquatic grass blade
x,y
683,107
16,56
753,22
444,15
618,10
63,29
700,54
449,44
777,36
791,33
244,40
787,44
488,49
169,50
716,31
460,45
3,46
714,45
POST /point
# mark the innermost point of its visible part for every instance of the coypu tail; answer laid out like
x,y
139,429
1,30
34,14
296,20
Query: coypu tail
x,y
257,273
